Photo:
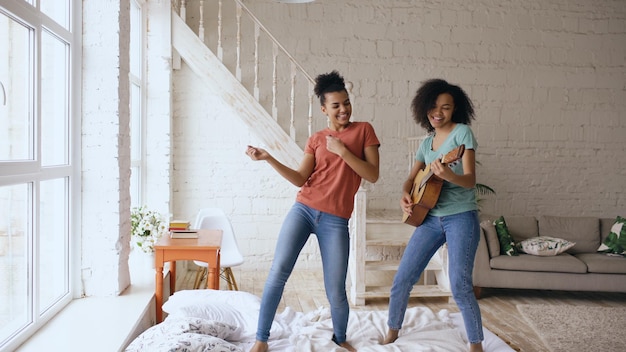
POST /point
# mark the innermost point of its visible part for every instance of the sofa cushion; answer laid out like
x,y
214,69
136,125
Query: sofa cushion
x,y
544,246
507,245
601,263
493,244
605,227
584,231
562,263
520,227
615,243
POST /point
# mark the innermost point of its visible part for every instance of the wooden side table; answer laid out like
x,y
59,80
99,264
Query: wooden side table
x,y
205,248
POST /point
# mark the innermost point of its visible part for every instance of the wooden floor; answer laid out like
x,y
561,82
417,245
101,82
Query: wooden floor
x,y
305,292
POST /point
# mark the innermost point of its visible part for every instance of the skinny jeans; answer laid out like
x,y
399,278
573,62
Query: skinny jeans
x,y
461,231
334,243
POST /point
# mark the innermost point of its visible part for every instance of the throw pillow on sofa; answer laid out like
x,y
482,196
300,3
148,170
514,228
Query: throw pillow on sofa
x,y
615,243
544,246
493,244
507,245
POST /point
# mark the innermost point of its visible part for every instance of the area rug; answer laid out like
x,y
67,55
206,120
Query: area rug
x,y
577,328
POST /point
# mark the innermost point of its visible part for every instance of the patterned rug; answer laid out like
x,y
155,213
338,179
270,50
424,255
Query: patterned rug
x,y
577,328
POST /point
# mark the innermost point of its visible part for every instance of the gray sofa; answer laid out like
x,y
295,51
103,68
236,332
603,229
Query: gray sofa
x,y
580,268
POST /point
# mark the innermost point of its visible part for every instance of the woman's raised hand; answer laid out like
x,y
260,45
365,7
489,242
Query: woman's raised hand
x,y
257,153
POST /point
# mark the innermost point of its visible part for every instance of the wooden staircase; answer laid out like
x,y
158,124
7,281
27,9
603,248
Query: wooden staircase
x,y
375,254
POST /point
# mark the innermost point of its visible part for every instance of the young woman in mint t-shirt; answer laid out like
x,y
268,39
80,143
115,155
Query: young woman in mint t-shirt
x,y
445,111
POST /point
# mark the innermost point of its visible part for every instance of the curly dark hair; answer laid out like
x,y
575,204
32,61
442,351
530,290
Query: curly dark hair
x,y
426,97
328,83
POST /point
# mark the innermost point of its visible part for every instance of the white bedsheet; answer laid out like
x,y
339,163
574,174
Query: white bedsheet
x,y
205,320
423,330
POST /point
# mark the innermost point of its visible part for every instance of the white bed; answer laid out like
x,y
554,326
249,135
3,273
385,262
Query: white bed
x,y
213,320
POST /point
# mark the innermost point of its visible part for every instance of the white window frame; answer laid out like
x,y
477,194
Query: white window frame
x,y
140,164
31,171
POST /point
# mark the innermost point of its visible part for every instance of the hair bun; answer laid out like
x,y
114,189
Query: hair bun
x,y
329,82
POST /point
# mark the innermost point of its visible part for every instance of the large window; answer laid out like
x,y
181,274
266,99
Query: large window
x,y
137,106
38,170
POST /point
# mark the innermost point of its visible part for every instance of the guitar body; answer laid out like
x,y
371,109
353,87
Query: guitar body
x,y
427,188
424,198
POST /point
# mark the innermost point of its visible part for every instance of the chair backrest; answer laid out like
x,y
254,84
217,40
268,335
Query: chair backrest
x,y
215,218
413,144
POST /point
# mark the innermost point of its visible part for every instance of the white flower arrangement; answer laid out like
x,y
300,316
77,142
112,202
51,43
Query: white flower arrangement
x,y
147,227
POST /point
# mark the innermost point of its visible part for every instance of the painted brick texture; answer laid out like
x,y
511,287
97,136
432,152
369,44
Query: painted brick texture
x,y
105,149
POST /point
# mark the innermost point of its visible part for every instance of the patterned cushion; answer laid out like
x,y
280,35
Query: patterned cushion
x,y
615,243
185,334
544,246
507,245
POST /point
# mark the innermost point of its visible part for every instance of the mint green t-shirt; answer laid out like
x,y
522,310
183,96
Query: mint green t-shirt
x,y
453,199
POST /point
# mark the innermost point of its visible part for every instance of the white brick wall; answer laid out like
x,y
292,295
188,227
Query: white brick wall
x,y
106,139
212,170
547,78
105,148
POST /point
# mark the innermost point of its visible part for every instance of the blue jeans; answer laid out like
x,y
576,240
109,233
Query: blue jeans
x,y
461,232
334,242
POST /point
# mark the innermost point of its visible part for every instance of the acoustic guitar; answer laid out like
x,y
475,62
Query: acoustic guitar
x,y
427,187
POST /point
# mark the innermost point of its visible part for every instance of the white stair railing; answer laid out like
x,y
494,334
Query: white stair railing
x,y
280,85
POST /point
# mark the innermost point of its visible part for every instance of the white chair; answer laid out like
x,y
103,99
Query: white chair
x,y
230,256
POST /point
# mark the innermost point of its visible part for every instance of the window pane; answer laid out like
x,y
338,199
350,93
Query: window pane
x,y
135,144
15,99
136,102
14,293
58,10
135,196
54,101
135,122
53,242
135,39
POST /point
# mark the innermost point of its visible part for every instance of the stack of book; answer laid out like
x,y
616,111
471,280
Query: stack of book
x,y
179,225
180,229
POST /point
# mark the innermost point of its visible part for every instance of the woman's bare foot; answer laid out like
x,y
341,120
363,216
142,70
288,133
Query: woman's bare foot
x,y
344,344
347,346
259,346
392,335
476,347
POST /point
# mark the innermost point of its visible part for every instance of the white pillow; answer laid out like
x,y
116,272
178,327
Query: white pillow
x,y
239,300
236,308
545,246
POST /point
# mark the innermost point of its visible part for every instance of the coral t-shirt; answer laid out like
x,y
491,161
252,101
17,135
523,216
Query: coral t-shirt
x,y
333,184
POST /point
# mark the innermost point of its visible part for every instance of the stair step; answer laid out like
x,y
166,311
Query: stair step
x,y
418,291
383,216
386,237
387,229
392,265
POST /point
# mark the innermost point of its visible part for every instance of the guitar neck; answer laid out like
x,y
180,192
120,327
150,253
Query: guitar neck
x,y
449,159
